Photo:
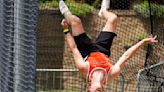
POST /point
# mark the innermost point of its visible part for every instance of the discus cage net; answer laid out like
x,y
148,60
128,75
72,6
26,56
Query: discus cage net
x,y
34,55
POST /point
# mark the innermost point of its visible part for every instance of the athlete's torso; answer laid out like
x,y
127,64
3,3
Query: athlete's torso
x,y
98,60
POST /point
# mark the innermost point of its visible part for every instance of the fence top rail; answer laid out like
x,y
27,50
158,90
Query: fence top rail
x,y
152,66
57,70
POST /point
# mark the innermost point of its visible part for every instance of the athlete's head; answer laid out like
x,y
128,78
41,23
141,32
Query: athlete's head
x,y
96,81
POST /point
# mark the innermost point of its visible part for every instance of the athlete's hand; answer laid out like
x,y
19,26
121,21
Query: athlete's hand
x,y
64,23
150,39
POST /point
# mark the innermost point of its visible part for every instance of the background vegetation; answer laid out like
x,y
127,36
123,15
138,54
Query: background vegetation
x,y
86,6
143,8
73,6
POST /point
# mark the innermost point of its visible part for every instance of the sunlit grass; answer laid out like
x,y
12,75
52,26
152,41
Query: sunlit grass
x,y
79,9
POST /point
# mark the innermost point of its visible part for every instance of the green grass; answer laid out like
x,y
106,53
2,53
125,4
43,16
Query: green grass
x,y
144,9
79,9
48,5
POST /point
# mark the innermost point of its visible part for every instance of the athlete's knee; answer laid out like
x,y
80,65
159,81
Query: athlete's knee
x,y
112,18
75,20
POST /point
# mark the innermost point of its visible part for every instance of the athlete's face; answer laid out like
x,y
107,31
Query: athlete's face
x,y
96,84
95,87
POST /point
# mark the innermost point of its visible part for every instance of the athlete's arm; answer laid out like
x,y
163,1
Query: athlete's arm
x,y
131,51
80,64
115,71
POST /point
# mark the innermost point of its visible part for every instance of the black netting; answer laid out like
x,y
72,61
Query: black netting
x,y
137,19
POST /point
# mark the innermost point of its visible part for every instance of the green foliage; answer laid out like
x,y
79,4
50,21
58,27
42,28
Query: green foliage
x,y
53,4
141,35
144,9
127,45
97,4
79,9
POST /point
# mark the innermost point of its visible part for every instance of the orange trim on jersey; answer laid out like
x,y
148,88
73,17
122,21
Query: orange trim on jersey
x,y
98,60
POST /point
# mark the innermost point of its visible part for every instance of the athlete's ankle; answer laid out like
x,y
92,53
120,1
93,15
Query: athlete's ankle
x,y
64,9
104,6
101,12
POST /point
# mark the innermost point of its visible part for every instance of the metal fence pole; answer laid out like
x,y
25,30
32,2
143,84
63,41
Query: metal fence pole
x,y
25,13
122,82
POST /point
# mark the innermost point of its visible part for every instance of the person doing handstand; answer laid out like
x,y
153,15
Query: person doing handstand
x,y
92,58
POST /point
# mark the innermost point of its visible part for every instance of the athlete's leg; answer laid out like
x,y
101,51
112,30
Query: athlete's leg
x,y
111,23
107,35
83,42
110,26
76,25
111,18
74,21
104,6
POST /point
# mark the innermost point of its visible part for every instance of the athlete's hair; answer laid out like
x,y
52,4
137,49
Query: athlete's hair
x,y
87,88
